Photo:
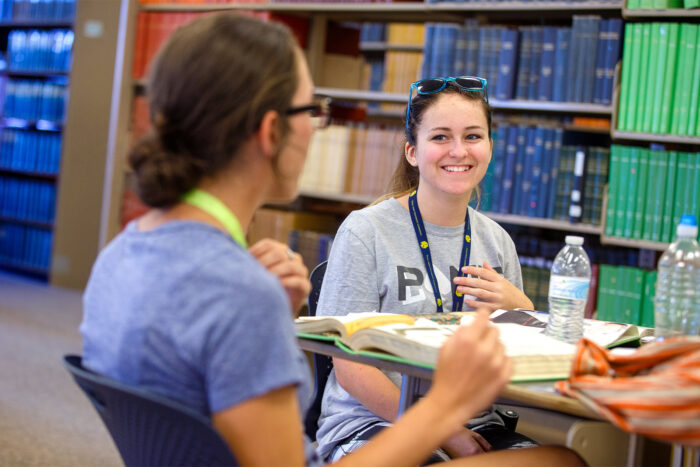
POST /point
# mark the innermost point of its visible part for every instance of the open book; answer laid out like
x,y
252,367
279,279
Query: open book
x,y
417,339
604,333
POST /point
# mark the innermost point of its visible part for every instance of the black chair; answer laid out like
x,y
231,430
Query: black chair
x,y
149,429
323,364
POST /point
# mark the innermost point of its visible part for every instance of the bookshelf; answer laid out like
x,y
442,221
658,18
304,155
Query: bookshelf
x,y
97,129
35,78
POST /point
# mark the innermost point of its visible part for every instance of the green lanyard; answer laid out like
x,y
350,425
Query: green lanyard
x,y
213,205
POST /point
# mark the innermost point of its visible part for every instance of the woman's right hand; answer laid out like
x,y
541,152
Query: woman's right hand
x,y
472,369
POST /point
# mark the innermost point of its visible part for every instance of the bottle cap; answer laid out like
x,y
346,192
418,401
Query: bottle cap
x,y
688,227
574,240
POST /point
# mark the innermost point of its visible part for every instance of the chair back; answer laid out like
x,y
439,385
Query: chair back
x,y
323,364
148,429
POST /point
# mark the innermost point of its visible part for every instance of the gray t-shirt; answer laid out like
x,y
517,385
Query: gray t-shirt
x,y
375,265
185,312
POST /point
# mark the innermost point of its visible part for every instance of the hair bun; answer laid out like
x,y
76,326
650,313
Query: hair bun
x,y
162,176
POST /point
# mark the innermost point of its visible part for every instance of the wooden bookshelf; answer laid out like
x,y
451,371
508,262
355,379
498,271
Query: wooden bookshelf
x,y
38,24
632,243
544,223
674,13
22,124
41,273
29,175
535,106
341,197
26,222
654,138
387,46
34,73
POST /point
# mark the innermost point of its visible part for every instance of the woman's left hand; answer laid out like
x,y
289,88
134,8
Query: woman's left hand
x,y
289,268
494,291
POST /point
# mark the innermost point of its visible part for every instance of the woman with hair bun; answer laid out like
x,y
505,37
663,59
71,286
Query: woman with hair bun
x,y
177,303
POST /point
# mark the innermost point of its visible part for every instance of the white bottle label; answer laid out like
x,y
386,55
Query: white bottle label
x,y
575,288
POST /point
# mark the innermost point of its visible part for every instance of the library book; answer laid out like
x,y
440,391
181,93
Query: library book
x,y
416,339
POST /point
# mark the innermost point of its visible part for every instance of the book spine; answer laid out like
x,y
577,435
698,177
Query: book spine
x,y
613,187
509,170
561,59
643,96
623,118
520,160
681,79
689,58
535,61
694,101
600,61
507,64
670,77
575,208
546,79
589,62
668,226
545,177
642,213
524,61
660,77
611,56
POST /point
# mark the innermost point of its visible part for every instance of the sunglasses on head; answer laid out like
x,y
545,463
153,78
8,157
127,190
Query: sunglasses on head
x,y
433,85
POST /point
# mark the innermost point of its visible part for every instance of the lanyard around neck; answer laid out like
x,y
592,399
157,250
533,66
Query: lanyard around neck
x,y
422,237
213,206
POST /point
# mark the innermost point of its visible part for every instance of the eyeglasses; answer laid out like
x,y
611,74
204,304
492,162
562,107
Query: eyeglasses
x,y
320,111
433,85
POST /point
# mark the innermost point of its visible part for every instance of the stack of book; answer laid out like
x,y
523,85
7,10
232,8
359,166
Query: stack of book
x,y
35,100
25,247
30,151
660,90
649,192
353,159
37,50
532,174
625,295
30,200
560,64
32,10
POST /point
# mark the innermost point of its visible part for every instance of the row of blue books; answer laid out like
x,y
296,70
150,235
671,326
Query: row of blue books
x,y
30,151
532,174
35,100
45,10
27,247
545,63
373,32
28,200
36,50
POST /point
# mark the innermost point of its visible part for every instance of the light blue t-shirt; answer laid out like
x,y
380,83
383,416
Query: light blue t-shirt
x,y
187,313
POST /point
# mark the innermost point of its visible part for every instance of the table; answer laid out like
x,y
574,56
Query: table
x,y
539,395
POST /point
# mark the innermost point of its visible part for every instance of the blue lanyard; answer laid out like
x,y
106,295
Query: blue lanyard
x,y
422,236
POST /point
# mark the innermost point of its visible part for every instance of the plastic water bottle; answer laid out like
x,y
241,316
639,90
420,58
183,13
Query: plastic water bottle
x,y
568,291
677,301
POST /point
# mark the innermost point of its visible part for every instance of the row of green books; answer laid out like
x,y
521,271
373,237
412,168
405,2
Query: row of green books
x,y
649,191
626,295
535,272
660,89
661,4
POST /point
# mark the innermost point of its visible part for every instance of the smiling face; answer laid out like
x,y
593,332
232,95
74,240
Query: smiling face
x,y
453,149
